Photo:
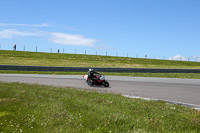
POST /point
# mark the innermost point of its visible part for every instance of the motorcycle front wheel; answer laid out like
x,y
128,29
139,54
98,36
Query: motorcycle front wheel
x,y
106,84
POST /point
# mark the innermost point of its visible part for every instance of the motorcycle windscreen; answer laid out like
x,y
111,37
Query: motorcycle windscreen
x,y
102,77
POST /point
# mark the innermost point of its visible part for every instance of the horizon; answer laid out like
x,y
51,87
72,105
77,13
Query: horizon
x,y
173,58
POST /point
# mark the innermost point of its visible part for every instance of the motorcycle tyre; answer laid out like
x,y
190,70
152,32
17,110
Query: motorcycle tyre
x,y
105,84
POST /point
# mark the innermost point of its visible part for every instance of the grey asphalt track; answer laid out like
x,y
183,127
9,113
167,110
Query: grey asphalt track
x,y
167,89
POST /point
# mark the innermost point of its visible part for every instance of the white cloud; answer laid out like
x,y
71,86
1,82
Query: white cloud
x,y
55,37
71,39
25,25
183,58
40,25
196,58
178,57
10,33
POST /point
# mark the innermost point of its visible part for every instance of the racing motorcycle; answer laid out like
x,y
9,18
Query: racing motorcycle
x,y
100,80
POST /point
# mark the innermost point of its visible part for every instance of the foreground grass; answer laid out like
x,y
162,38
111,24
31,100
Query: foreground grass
x,y
34,108
161,75
76,60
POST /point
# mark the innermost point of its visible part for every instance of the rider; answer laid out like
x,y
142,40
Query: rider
x,y
91,74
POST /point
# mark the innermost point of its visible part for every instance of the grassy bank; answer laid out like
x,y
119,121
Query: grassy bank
x,y
162,75
34,108
75,60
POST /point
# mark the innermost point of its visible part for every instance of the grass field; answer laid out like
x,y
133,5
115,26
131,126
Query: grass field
x,y
33,108
76,60
163,75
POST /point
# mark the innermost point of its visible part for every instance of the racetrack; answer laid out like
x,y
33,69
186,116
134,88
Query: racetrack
x,y
179,90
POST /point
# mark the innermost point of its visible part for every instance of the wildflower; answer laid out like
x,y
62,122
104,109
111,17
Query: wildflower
x,y
173,108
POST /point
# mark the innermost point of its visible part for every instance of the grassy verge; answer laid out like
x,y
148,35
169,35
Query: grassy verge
x,y
76,60
162,75
34,108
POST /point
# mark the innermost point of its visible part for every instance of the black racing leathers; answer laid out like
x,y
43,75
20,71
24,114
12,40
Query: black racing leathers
x,y
91,75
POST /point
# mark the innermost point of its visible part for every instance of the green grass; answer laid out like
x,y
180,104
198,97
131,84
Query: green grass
x,y
45,109
76,60
162,75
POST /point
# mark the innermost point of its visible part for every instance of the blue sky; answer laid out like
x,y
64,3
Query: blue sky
x,y
156,28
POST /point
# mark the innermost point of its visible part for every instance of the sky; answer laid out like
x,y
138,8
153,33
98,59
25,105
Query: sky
x,y
160,29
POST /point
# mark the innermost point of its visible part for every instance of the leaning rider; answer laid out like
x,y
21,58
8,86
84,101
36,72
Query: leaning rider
x,y
91,74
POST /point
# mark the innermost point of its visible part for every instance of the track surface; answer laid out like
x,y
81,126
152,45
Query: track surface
x,y
179,90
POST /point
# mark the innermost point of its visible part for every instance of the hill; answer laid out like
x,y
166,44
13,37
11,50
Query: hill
x,y
77,60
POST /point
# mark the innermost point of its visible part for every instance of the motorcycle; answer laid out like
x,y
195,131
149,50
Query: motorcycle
x,y
100,80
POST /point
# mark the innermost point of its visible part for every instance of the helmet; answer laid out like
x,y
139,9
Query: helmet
x,y
90,69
